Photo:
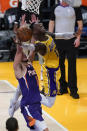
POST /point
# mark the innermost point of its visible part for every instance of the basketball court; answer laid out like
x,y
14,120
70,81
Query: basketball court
x,y
67,114
6,93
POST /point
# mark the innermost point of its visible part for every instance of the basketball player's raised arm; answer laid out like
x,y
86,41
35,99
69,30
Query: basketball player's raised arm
x,y
14,103
31,56
17,60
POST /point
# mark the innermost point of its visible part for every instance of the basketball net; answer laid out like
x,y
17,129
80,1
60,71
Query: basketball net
x,y
33,5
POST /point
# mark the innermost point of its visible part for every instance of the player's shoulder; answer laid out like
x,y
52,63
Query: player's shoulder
x,y
49,38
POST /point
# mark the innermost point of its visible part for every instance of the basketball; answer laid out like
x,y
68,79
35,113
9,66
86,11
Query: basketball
x,y
24,34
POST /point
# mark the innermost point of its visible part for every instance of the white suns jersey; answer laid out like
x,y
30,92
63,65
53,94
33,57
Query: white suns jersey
x,y
64,19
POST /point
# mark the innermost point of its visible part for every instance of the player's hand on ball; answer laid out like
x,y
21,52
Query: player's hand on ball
x,y
23,22
17,41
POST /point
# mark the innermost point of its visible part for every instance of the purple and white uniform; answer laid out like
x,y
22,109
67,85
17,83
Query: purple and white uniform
x,y
30,102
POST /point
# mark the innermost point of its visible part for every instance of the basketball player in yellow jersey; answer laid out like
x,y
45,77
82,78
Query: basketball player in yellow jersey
x,y
51,72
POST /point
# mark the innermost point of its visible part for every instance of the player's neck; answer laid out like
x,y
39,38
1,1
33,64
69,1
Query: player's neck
x,y
43,38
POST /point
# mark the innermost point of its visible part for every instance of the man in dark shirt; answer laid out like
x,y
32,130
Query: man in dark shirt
x,y
64,18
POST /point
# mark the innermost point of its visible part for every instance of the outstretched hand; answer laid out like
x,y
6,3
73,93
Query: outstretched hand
x,y
23,21
34,19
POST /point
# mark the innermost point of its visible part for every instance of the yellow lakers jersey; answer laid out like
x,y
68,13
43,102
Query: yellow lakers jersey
x,y
51,58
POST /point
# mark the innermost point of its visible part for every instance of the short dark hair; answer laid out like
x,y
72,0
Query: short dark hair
x,y
12,124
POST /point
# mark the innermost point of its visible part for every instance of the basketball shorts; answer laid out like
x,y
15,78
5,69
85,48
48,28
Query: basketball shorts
x,y
33,117
51,78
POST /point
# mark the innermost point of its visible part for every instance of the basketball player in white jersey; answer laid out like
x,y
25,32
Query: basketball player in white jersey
x,y
63,16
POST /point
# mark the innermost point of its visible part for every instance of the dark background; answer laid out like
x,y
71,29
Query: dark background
x,y
7,46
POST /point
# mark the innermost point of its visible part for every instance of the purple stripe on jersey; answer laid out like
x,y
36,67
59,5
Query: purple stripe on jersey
x,y
52,81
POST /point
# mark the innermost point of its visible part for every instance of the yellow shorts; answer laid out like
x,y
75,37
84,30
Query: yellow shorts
x,y
51,78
